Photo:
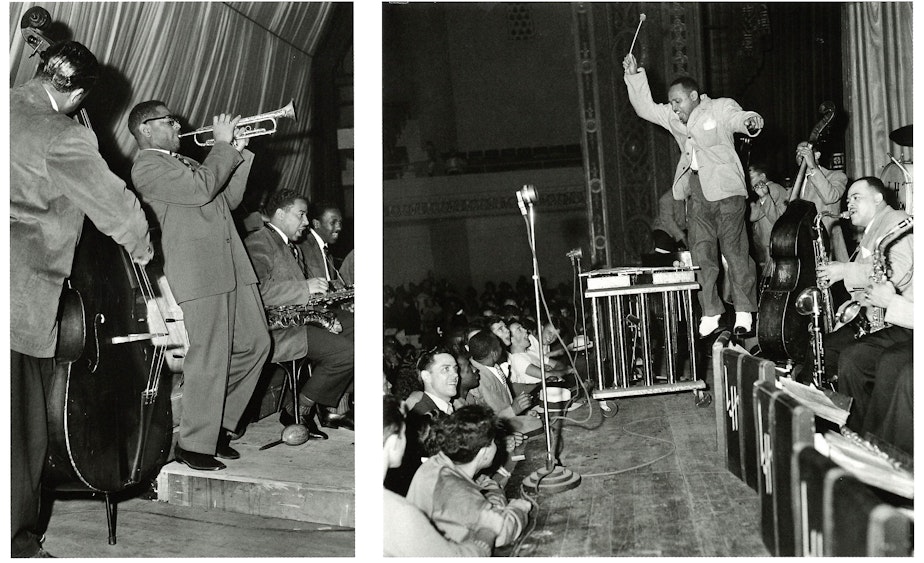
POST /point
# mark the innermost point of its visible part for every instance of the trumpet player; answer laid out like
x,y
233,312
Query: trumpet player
x,y
209,272
869,211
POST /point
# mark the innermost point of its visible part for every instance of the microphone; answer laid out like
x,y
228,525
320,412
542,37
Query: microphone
x,y
521,204
575,253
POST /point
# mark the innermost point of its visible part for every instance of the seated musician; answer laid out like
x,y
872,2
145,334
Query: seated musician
x,y
284,282
870,369
869,211
765,210
450,487
325,222
824,188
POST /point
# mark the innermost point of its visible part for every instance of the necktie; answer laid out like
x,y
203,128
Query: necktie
x,y
299,259
503,377
189,164
329,261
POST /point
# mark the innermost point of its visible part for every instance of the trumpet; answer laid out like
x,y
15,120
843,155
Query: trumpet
x,y
246,126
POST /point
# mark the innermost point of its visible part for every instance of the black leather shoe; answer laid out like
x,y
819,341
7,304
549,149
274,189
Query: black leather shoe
x,y
314,433
197,461
224,449
330,420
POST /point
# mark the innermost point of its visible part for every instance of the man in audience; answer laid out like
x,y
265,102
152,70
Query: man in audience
x,y
407,531
494,387
283,282
450,489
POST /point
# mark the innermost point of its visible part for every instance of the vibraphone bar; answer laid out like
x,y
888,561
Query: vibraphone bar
x,y
621,298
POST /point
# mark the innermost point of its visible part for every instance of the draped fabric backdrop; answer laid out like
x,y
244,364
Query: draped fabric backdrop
x,y
878,71
201,59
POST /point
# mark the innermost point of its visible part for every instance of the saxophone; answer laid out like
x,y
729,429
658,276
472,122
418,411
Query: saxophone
x,y
872,319
822,257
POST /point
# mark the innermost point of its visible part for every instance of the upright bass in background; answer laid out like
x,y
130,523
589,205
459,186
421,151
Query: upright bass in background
x,y
782,331
108,404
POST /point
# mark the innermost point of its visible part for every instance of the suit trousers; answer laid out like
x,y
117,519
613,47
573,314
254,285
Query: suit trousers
x,y
857,373
29,447
332,357
228,346
714,226
891,409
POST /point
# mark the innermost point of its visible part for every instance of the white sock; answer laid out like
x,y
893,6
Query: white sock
x,y
707,324
743,320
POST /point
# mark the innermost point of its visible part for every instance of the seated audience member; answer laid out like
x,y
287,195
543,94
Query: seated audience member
x,y
869,369
525,370
770,204
407,531
439,375
469,379
283,282
669,227
868,208
494,388
500,329
450,489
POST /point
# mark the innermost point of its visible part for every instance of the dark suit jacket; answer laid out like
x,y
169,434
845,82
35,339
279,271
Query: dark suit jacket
x,y
203,254
281,283
57,177
314,258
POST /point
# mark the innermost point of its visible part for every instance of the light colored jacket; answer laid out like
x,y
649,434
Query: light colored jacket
x,y
458,505
712,125
57,177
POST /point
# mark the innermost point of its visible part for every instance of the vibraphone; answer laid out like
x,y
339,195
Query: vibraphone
x,y
624,302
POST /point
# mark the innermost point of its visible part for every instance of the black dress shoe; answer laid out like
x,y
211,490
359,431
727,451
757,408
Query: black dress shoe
x,y
314,433
224,449
330,420
197,461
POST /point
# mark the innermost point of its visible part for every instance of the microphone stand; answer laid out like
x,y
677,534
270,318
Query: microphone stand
x,y
554,478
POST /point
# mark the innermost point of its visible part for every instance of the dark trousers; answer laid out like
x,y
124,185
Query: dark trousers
x,y
29,447
856,367
891,408
332,359
714,226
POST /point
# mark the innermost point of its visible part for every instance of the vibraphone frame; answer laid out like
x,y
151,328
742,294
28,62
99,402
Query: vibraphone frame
x,y
615,304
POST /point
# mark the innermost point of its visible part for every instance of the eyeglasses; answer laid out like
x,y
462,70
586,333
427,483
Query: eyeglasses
x,y
171,120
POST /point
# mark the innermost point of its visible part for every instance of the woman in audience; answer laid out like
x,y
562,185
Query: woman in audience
x,y
450,489
525,371
407,531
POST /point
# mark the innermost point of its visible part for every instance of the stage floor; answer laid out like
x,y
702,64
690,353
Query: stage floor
x,y
653,484
286,501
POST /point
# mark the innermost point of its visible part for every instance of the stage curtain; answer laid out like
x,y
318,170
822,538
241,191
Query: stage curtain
x,y
878,68
201,59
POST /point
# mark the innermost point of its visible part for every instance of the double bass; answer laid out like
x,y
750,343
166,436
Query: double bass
x,y
108,405
782,332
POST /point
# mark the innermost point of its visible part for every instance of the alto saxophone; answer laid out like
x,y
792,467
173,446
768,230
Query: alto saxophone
x,y
872,319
